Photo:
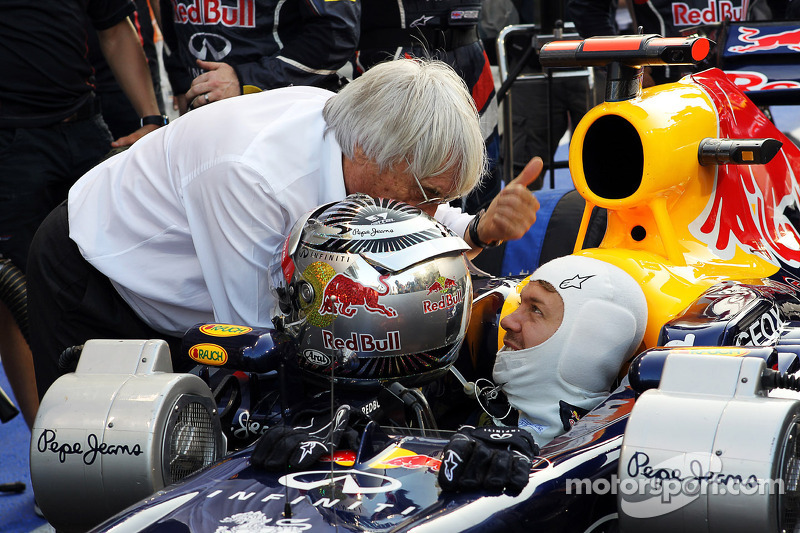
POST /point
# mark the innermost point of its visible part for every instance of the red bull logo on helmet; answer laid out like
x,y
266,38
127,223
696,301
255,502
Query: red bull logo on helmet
x,y
447,301
451,297
363,342
344,296
442,284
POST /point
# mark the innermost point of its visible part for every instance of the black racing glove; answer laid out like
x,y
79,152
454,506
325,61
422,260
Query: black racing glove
x,y
493,459
311,435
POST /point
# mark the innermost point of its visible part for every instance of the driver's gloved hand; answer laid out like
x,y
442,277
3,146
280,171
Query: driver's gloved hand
x,y
493,459
311,435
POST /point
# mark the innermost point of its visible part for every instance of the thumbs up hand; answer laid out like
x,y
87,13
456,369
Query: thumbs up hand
x,y
513,210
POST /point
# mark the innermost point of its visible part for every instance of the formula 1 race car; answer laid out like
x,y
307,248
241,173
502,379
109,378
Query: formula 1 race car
x,y
703,209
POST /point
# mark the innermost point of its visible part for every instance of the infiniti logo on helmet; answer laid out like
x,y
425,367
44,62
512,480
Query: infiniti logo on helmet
x,y
209,46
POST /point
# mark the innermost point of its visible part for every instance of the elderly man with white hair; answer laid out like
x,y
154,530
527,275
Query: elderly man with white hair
x,y
187,226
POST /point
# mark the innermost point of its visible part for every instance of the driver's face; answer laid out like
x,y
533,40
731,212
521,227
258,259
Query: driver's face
x,y
537,318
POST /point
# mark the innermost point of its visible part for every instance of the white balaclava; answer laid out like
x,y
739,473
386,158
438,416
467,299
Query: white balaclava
x,y
605,313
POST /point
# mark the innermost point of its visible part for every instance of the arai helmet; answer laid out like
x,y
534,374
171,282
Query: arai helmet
x,y
381,283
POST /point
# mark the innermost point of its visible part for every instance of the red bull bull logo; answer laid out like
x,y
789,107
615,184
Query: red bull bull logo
x,y
442,284
760,40
414,461
344,296
435,287
451,297
239,14
748,207
403,458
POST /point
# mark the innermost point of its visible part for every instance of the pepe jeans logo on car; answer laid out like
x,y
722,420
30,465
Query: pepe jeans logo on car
x,y
94,446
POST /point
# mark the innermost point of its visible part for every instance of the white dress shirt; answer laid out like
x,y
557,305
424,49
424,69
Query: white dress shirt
x,y
188,223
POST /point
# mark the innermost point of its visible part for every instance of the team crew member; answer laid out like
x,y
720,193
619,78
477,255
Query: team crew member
x,y
188,226
51,130
253,45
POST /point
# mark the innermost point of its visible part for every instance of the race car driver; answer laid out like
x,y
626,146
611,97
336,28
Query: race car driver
x,y
579,319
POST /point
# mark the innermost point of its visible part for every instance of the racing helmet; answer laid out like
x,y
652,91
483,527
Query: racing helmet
x,y
378,284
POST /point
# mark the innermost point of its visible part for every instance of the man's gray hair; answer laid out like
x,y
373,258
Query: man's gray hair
x,y
411,111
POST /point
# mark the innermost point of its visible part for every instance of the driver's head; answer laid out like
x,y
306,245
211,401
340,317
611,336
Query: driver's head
x,y
578,320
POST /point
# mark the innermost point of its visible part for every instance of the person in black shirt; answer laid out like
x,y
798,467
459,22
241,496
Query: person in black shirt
x,y
253,45
118,113
51,131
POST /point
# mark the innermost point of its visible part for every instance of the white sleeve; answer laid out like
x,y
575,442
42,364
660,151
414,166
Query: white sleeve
x,y
454,218
237,227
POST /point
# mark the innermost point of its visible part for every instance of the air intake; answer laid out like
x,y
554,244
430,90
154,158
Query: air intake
x,y
117,430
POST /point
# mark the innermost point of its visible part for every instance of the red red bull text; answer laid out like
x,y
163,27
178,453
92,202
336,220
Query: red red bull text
x,y
717,11
241,14
363,342
447,301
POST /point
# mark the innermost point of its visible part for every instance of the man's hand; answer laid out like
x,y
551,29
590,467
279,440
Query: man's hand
x,y
133,137
513,210
284,447
219,82
494,459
